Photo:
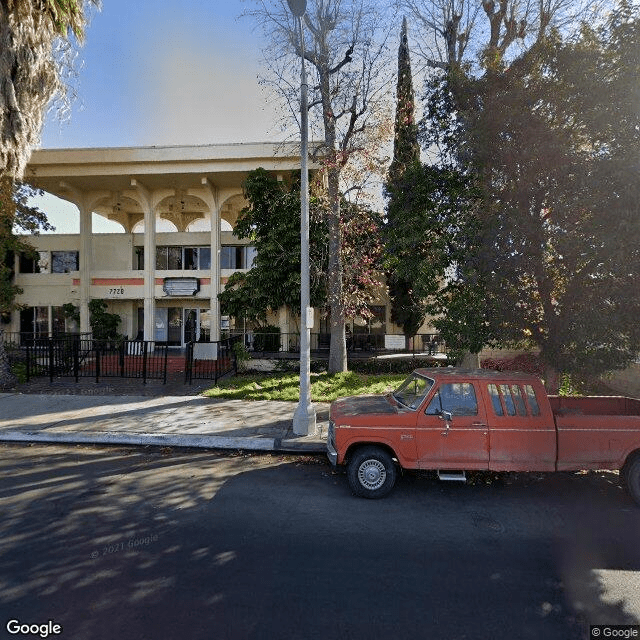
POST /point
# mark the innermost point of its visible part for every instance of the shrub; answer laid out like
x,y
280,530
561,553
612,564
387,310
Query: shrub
x,y
526,363
266,338
391,365
241,354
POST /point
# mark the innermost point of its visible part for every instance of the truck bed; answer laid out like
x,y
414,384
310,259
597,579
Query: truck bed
x,y
595,432
595,406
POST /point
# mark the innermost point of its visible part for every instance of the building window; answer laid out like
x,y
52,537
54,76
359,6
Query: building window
x,y
174,258
35,320
377,323
38,263
64,261
182,258
237,257
138,260
58,321
197,258
162,258
205,257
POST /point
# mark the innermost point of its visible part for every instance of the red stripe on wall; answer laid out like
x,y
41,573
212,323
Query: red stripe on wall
x,y
107,281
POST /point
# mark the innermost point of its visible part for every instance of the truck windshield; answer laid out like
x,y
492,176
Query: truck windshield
x,y
413,390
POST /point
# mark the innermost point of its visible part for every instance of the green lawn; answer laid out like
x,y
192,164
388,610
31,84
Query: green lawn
x,y
286,386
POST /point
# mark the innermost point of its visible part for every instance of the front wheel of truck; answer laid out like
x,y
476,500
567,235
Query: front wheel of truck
x,y
631,474
371,473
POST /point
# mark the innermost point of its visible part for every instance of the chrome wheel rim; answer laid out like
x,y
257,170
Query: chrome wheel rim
x,y
372,474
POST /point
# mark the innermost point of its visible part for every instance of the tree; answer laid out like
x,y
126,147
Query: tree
x,y
431,220
472,36
345,47
407,310
104,325
561,218
551,143
472,49
272,223
31,74
28,220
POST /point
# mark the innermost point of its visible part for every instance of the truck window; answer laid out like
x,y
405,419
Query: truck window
x,y
413,390
508,400
532,400
516,392
494,394
459,398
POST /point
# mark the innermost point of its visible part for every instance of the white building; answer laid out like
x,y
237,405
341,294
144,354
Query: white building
x,y
163,284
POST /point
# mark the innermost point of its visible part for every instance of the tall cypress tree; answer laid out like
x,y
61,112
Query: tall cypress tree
x,y
406,310
406,149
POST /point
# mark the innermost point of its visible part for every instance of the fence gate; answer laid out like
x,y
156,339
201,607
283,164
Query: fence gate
x,y
210,360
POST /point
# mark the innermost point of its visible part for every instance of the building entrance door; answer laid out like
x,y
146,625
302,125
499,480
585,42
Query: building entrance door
x,y
177,326
191,325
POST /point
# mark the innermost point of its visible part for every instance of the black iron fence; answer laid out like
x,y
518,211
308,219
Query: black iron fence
x,y
78,357
24,338
210,360
262,343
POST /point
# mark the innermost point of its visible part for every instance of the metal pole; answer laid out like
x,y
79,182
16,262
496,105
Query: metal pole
x,y
304,418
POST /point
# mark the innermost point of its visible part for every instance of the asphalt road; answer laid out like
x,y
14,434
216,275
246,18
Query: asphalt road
x,y
125,544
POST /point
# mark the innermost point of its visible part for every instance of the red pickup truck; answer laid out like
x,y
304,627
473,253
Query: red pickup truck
x,y
451,420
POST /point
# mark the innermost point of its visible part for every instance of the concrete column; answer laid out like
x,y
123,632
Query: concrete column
x,y
86,264
149,272
209,194
215,274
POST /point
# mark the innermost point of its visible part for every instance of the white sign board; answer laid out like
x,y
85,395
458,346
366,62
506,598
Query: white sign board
x,y
205,351
394,343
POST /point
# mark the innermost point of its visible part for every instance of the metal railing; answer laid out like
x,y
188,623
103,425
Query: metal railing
x,y
210,360
265,343
24,338
73,356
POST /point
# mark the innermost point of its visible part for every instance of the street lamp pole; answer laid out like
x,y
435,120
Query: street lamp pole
x,y
304,418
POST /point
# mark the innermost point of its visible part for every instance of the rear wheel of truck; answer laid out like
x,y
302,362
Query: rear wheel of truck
x,y
371,473
631,475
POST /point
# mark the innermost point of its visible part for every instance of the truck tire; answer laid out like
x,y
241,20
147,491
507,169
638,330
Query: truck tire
x,y
631,475
371,473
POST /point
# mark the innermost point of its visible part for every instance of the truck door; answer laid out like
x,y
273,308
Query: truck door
x,y
523,434
452,429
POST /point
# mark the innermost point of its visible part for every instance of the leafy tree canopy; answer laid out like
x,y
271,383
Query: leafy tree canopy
x,y
551,142
13,239
272,223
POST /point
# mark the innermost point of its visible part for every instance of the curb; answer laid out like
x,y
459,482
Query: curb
x,y
155,440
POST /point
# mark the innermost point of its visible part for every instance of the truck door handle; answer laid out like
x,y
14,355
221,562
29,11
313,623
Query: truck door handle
x,y
478,424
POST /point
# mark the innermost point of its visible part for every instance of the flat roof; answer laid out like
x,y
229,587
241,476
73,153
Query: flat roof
x,y
112,168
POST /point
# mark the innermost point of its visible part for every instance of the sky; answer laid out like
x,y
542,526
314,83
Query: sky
x,y
163,73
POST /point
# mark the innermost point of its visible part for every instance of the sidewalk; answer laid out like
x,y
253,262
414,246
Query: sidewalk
x,y
171,420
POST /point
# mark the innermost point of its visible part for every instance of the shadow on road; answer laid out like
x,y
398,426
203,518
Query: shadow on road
x,y
123,543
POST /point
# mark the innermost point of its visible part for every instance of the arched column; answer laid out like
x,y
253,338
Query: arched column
x,y
149,202
85,201
209,194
